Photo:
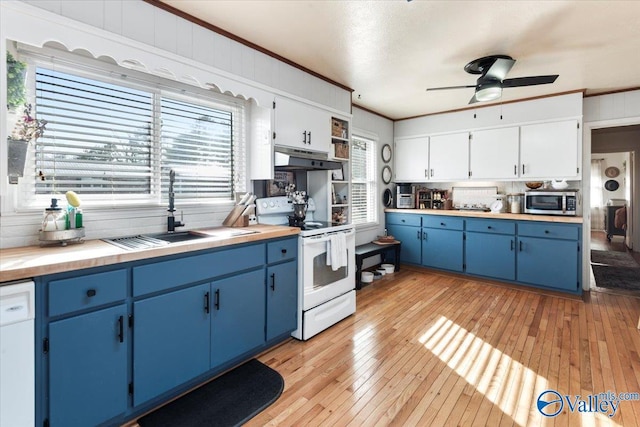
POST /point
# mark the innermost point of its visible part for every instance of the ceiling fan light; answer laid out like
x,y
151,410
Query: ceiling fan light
x,y
489,92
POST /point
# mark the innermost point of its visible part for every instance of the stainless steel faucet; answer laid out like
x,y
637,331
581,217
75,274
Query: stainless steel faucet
x,y
171,220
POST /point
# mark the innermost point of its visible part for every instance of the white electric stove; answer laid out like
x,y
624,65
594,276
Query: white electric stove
x,y
325,296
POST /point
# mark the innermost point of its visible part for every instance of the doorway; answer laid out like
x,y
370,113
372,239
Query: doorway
x,y
614,223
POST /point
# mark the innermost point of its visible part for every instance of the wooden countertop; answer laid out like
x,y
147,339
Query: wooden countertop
x,y
31,261
491,215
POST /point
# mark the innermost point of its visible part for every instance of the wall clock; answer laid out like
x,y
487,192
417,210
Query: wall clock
x,y
386,174
386,153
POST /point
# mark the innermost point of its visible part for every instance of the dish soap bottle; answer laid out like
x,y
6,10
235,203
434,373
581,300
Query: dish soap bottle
x,y
55,218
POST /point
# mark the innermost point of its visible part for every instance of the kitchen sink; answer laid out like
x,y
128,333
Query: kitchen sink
x,y
182,236
152,240
225,232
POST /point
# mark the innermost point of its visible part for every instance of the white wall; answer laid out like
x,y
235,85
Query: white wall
x,y
383,129
149,39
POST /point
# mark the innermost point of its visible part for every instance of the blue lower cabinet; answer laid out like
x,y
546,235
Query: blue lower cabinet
x,y
442,248
410,237
282,299
88,368
549,263
491,255
170,340
237,316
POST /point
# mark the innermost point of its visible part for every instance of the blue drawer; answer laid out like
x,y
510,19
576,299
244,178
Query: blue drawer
x,y
190,269
91,290
494,226
403,219
549,230
282,250
444,222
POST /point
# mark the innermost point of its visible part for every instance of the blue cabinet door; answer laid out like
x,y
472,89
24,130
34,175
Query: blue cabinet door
x,y
282,299
547,262
88,368
237,315
442,249
411,251
491,255
171,339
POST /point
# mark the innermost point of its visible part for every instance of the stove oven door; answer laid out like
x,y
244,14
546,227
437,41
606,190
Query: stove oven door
x,y
318,280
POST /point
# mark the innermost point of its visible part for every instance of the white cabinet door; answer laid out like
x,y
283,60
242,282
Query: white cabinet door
x,y
493,153
549,150
302,126
449,157
411,159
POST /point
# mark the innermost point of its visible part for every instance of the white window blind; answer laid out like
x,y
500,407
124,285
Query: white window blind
x,y
363,180
109,138
98,136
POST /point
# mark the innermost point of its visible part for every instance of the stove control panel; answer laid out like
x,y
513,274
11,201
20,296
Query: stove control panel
x,y
280,205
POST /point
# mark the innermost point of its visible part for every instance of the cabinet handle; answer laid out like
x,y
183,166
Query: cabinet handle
x,y
206,303
426,173
121,328
418,234
217,301
520,245
431,173
304,137
309,133
523,169
273,281
424,235
91,293
511,245
284,251
488,227
444,225
546,231
515,169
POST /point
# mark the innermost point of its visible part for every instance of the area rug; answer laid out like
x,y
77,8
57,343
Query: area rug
x,y
230,400
615,270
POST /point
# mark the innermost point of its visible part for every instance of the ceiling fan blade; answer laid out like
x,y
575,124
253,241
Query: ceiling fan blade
x,y
473,99
529,81
450,87
499,69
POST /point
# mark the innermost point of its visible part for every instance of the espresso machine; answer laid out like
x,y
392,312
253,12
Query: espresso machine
x,y
405,196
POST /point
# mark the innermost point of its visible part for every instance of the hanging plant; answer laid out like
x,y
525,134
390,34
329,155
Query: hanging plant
x,y
16,72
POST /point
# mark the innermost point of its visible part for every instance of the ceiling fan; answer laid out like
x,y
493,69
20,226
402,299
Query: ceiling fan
x,y
493,70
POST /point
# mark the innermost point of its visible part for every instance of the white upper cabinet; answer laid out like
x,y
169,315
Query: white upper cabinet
x,y
301,126
449,157
494,153
411,159
549,150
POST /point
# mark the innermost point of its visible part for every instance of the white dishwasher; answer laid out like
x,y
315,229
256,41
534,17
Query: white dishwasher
x,y
17,363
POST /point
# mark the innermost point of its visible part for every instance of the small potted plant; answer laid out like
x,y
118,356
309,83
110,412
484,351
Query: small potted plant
x,y
27,129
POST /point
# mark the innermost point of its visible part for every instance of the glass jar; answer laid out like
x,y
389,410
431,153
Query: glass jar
x,y
515,203
55,218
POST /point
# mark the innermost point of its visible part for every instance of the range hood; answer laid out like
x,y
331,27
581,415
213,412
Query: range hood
x,y
292,159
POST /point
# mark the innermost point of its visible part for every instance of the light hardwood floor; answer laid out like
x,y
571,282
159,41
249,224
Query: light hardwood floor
x,y
433,349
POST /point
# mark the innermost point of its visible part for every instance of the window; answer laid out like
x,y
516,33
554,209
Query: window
x,y
110,137
363,180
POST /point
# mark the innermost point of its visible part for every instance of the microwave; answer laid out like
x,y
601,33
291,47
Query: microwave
x,y
549,202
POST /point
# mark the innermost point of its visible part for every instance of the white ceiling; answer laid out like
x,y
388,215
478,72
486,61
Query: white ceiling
x,y
389,52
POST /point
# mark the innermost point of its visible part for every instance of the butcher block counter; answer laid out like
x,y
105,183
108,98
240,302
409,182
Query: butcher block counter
x,y
491,215
31,261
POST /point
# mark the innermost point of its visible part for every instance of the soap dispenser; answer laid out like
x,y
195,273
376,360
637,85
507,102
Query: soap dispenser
x,y
55,218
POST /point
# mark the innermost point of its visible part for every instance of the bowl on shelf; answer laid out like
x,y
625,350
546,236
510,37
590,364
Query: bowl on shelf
x,y
534,184
388,268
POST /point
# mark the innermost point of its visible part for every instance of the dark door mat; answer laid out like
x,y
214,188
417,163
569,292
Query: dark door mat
x,y
615,270
230,400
